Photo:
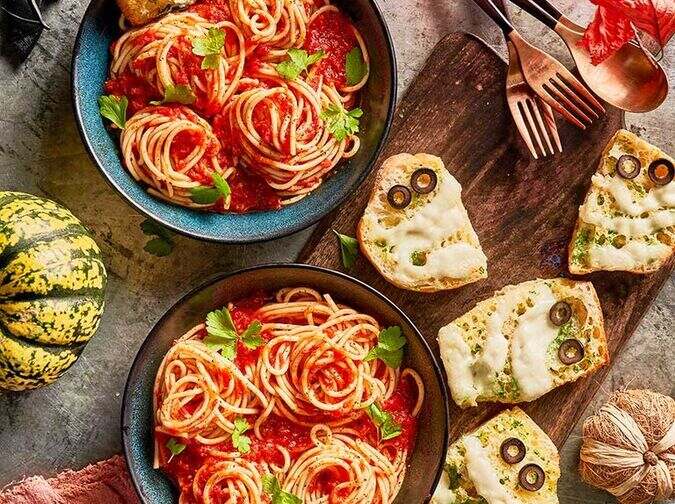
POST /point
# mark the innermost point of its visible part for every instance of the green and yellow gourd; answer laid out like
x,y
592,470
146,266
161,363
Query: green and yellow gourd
x,y
52,289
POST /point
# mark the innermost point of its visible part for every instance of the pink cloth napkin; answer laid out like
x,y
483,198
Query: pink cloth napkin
x,y
107,482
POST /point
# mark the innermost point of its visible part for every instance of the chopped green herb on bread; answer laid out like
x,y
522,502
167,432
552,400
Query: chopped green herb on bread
x,y
627,221
507,460
415,229
524,341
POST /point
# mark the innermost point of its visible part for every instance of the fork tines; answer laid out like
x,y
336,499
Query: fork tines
x,y
538,124
571,99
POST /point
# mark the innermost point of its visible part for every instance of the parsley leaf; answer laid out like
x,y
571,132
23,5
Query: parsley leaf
x,y
177,94
114,108
349,248
210,46
389,347
209,195
298,61
162,244
340,122
251,336
271,487
355,66
386,425
241,442
221,334
174,446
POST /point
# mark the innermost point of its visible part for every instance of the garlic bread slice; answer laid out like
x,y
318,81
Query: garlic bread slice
x,y
507,460
627,221
420,238
524,341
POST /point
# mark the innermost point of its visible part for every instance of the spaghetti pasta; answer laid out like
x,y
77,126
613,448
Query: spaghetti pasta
x,y
221,59
304,393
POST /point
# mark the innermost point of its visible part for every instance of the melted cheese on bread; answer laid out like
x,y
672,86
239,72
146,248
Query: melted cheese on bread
x,y
506,348
624,224
430,245
475,472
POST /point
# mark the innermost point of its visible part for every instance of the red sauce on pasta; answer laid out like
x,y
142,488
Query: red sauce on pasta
x,y
331,32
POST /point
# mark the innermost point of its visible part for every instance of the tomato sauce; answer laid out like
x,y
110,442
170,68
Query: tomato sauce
x,y
213,10
331,32
137,90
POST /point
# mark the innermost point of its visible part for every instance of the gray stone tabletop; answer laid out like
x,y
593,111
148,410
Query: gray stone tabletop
x,y
76,420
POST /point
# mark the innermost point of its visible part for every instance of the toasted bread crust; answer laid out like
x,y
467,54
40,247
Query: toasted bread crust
x,y
140,12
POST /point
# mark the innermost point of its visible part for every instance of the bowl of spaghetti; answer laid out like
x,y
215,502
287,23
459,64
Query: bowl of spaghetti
x,y
285,383
235,121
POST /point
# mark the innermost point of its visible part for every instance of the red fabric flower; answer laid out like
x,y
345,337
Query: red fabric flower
x,y
611,27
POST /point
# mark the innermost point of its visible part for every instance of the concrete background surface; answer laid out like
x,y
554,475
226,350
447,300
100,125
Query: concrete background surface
x,y
76,420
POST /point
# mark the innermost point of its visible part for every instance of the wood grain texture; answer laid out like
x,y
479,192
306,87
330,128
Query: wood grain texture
x,y
523,211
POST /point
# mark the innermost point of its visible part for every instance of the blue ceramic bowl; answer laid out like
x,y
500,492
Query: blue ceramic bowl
x,y
91,58
426,461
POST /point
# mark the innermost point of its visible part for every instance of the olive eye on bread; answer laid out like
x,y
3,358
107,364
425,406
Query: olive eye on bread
x,y
531,477
423,180
661,172
628,166
399,197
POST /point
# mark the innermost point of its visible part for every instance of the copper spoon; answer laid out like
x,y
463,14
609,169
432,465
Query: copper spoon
x,y
630,79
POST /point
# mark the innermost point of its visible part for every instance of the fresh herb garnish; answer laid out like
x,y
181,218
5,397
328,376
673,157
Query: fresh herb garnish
x,y
340,122
221,334
114,108
209,195
349,249
241,442
174,447
389,347
355,66
272,488
251,336
298,61
162,244
418,258
177,94
454,477
210,46
385,423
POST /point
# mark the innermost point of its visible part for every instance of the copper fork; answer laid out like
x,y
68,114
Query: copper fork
x,y
533,117
549,78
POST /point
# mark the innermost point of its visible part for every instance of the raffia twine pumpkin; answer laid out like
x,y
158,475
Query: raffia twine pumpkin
x,y
628,447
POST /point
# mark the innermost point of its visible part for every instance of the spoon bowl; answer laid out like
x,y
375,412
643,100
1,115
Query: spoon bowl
x,y
630,79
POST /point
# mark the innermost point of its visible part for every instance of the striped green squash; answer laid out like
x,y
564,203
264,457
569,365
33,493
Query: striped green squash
x,y
52,290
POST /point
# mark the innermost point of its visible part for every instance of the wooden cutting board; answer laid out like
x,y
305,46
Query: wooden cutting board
x,y
523,211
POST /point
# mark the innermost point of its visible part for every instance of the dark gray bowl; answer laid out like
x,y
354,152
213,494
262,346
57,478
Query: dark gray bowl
x,y
91,58
426,462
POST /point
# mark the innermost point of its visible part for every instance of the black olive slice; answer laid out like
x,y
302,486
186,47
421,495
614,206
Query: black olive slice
x,y
512,450
399,196
628,166
560,313
570,352
531,477
423,180
661,172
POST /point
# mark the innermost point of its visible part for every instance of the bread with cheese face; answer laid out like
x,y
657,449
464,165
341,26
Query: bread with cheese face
x,y
429,245
476,473
624,224
506,349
